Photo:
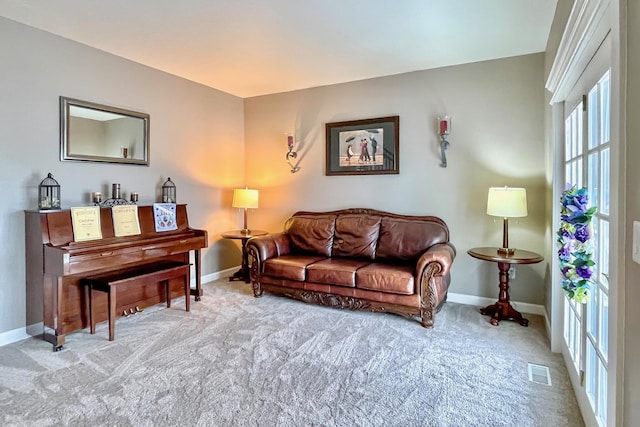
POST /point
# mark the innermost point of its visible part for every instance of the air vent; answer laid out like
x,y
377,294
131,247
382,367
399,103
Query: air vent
x,y
539,374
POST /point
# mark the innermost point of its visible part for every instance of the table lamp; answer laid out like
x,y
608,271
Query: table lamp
x,y
245,198
508,203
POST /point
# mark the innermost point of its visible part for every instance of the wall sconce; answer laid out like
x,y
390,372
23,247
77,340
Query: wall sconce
x,y
507,202
245,198
444,128
291,154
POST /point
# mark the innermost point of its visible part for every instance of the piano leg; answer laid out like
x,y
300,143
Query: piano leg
x,y
197,292
56,340
53,286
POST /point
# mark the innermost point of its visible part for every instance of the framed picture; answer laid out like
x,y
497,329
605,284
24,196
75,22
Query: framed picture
x,y
363,147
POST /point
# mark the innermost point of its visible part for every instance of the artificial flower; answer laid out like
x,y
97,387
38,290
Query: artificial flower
x,y
575,247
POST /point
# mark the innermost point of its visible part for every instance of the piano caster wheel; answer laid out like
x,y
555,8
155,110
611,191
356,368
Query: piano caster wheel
x,y
57,348
198,298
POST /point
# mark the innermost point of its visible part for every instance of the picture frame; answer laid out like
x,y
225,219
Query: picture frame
x,y
363,147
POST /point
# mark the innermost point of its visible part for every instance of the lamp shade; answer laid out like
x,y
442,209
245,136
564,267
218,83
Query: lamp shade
x,y
507,202
245,198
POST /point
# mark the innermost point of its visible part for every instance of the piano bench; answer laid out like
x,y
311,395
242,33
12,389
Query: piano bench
x,y
156,272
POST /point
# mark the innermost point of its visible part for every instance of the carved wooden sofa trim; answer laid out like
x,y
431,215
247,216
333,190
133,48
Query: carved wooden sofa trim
x,y
357,259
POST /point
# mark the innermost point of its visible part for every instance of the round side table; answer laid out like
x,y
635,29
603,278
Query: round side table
x,y
502,309
243,273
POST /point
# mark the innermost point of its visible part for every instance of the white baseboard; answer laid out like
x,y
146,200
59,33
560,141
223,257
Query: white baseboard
x,y
547,324
217,275
35,330
523,307
14,335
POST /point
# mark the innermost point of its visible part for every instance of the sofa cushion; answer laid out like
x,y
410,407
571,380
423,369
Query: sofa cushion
x,y
311,234
335,271
291,267
356,236
406,240
397,279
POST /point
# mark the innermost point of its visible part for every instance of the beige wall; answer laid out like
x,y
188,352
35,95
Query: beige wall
x,y
497,139
196,135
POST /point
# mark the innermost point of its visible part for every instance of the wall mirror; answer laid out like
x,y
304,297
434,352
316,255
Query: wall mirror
x,y
93,132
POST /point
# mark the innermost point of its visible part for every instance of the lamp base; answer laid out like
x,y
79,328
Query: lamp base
x,y
506,251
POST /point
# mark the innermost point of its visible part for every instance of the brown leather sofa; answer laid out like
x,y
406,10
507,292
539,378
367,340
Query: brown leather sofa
x,y
360,259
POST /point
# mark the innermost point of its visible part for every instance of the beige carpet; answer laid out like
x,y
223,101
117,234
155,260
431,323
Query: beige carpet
x,y
240,361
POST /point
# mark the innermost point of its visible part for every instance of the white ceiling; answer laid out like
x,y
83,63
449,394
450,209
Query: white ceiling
x,y
257,47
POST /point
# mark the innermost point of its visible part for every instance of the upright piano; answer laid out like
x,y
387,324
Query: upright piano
x,y
56,266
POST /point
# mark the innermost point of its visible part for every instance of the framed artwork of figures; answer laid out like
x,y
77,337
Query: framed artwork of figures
x,y
363,147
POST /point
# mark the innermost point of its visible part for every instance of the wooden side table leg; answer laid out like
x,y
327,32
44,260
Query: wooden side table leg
x,y
492,310
503,296
245,261
489,310
502,309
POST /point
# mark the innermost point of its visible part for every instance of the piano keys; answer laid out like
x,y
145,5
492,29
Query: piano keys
x,y
56,265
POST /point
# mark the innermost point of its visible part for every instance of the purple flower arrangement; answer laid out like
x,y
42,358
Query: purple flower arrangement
x,y
575,247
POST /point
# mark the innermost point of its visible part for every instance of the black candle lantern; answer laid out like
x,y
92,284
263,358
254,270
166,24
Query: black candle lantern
x,y
168,192
49,194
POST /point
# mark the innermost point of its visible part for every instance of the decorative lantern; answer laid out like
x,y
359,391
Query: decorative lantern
x,y
168,192
49,194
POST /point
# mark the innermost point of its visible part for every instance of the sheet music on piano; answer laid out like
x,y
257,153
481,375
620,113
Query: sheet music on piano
x,y
165,216
86,223
125,220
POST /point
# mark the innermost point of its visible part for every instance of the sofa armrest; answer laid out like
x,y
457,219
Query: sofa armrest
x,y
441,253
272,245
432,273
260,249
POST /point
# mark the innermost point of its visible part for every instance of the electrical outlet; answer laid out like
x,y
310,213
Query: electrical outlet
x,y
512,272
